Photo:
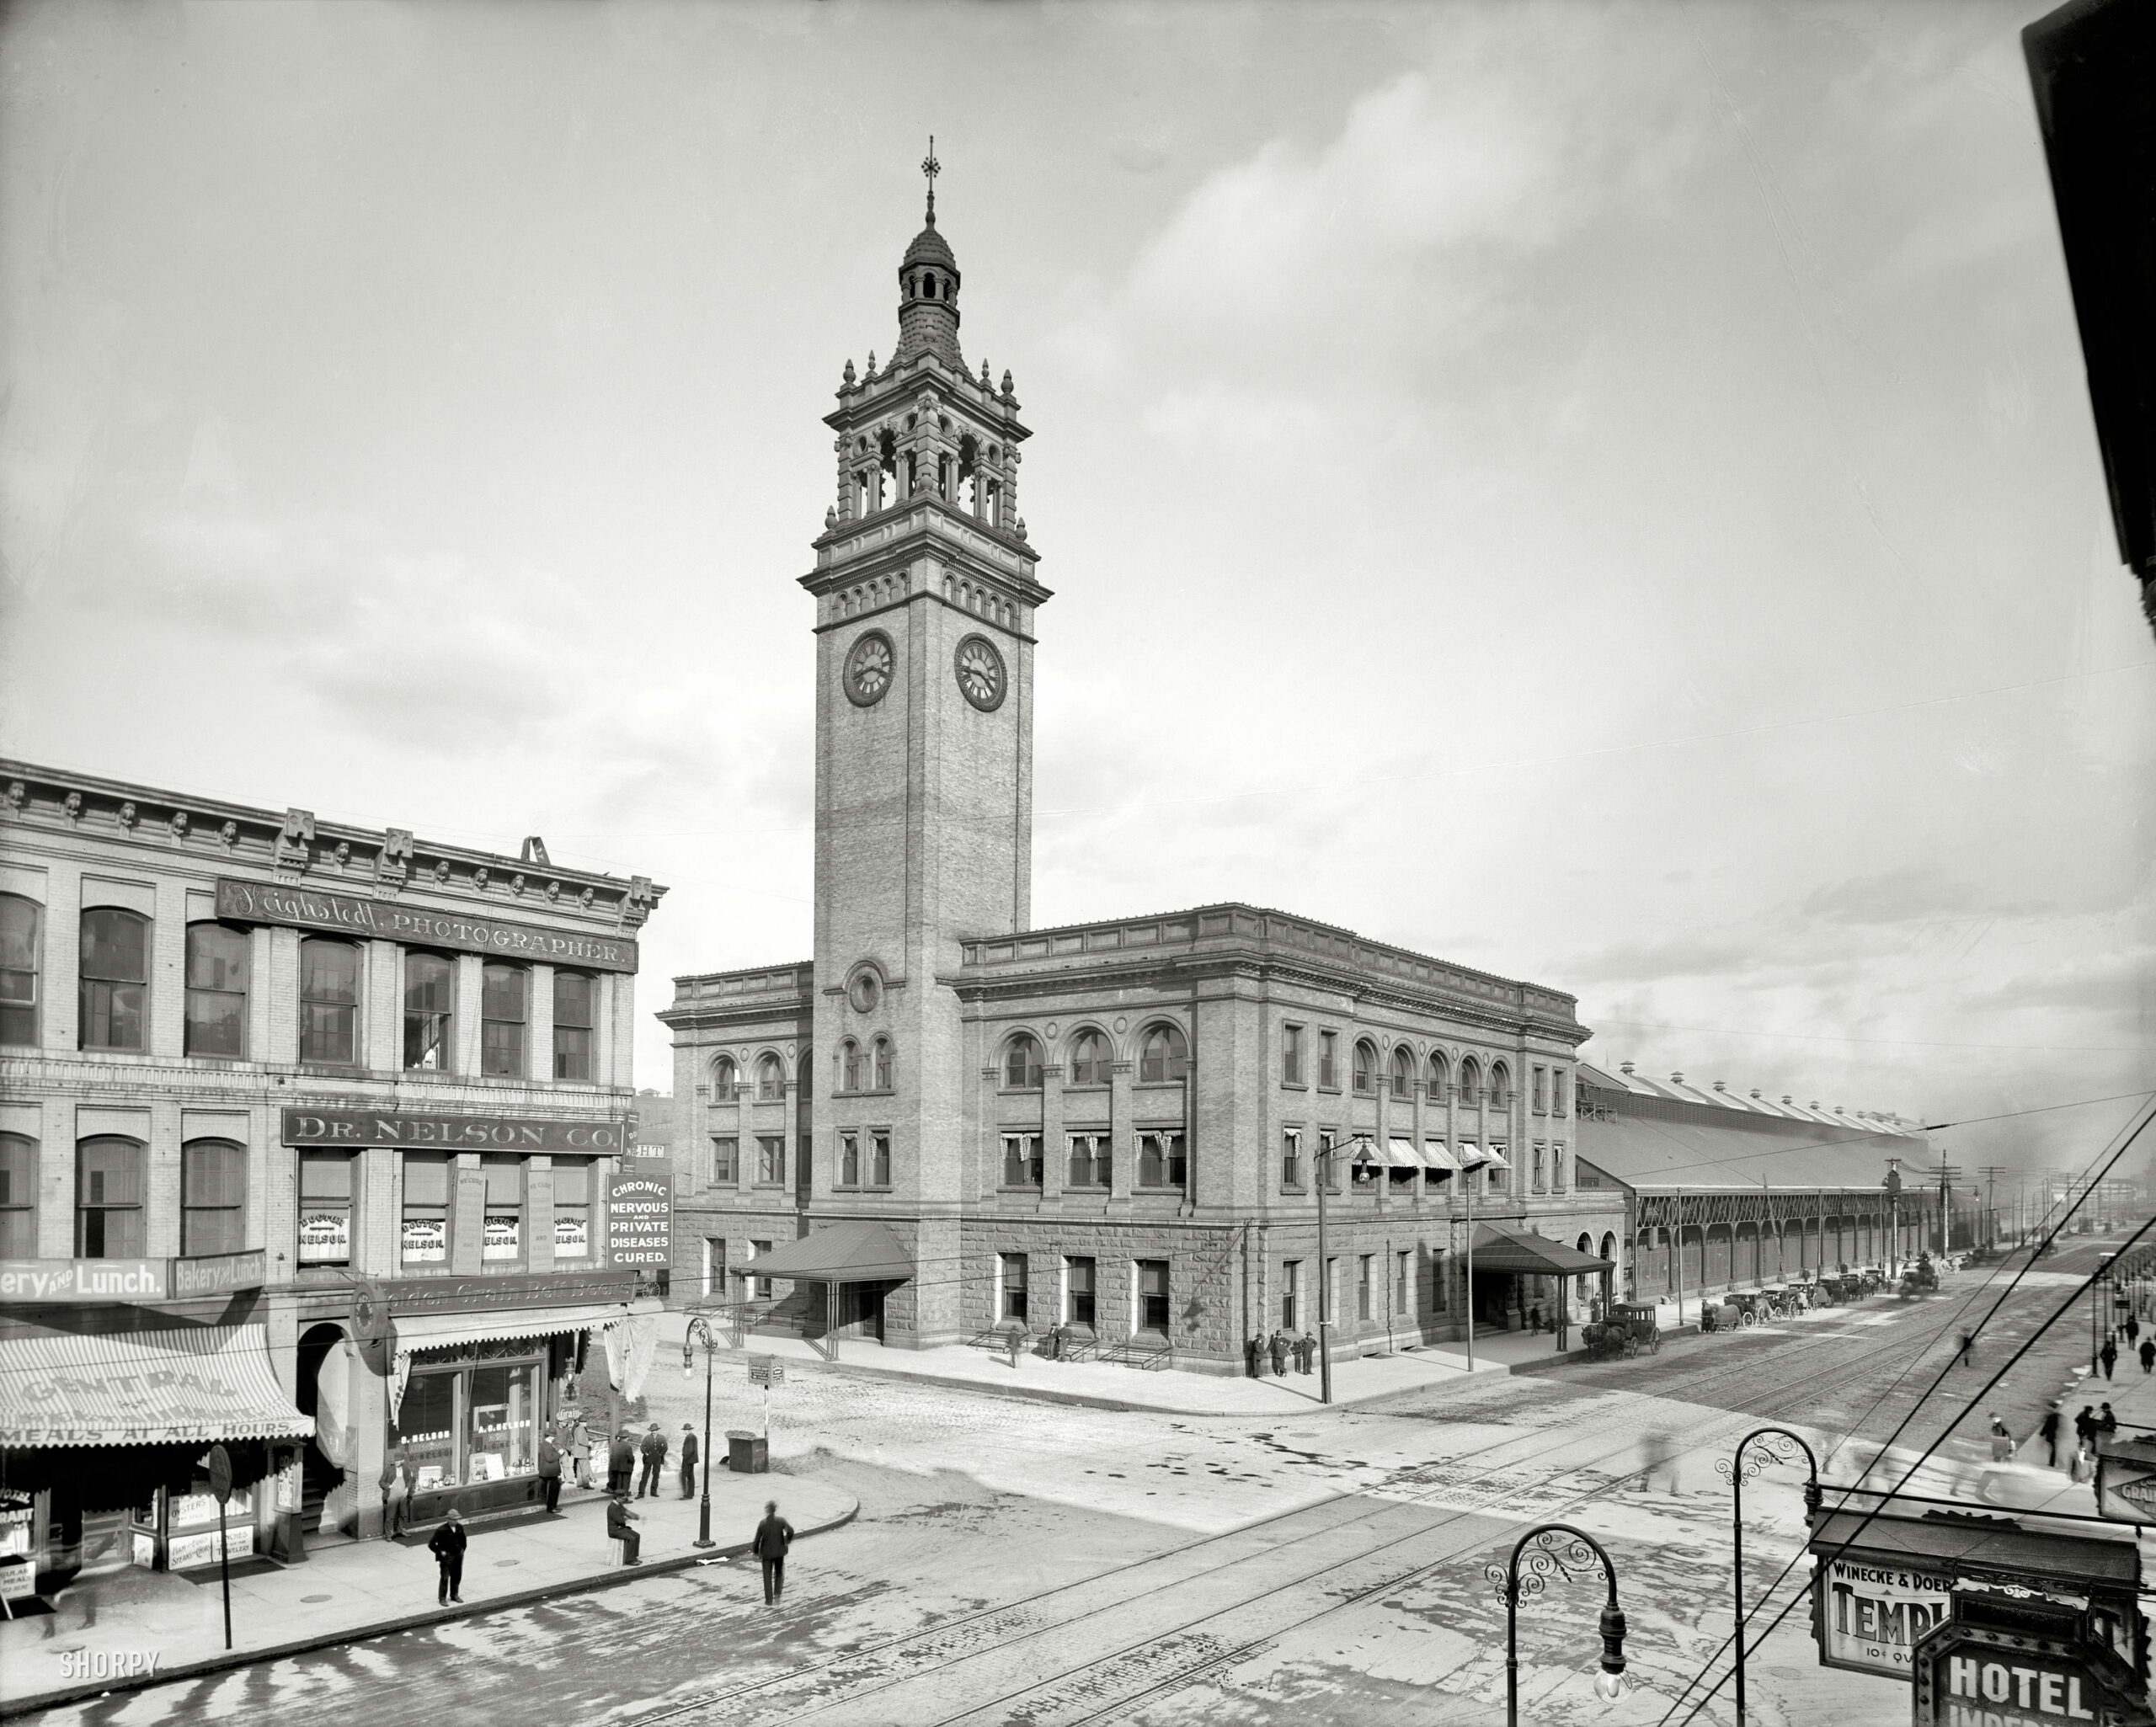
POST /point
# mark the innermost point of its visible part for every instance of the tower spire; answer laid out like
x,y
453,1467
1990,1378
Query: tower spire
x,y
930,167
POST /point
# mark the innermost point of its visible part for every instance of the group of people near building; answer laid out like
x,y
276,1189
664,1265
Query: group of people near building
x,y
1278,1352
568,1447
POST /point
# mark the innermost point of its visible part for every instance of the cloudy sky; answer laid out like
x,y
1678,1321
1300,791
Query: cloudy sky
x,y
1603,495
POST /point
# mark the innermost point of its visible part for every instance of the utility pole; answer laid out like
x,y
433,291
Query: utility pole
x,y
1991,1173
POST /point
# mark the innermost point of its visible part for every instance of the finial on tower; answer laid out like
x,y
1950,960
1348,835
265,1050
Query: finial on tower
x,y
930,167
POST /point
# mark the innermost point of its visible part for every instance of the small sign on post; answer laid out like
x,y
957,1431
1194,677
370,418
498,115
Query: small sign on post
x,y
766,1371
220,1483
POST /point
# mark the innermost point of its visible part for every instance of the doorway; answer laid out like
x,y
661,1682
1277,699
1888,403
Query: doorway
x,y
861,1311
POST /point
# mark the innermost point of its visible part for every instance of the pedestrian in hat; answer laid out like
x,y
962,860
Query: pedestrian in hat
x,y
2148,1352
2048,1432
621,1463
773,1537
580,1451
619,1517
1277,1349
688,1460
2085,1426
655,1459
2001,1442
2104,1426
550,1472
1309,1350
447,1545
2109,1355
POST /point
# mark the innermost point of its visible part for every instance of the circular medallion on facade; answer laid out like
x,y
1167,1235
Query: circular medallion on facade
x,y
981,676
869,664
864,992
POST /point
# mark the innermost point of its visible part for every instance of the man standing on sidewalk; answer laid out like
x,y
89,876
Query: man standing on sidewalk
x,y
2048,1432
654,1460
621,1463
688,1460
774,1535
446,1544
550,1472
2148,1352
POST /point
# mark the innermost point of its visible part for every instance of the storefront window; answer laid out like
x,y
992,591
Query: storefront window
x,y
325,1207
504,1436
504,1245
427,1424
423,1240
572,1209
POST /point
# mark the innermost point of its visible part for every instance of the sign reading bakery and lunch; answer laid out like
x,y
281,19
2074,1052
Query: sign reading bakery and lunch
x,y
386,920
591,1135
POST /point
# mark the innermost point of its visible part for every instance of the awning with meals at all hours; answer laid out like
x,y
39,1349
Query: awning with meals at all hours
x,y
143,1388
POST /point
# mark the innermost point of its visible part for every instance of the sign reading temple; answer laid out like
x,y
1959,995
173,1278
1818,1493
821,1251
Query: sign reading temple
x,y
309,909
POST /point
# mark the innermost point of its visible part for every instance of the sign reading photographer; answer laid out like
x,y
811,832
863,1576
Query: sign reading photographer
x,y
310,908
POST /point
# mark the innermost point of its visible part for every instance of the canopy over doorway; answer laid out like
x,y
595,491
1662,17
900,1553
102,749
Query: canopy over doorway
x,y
854,1262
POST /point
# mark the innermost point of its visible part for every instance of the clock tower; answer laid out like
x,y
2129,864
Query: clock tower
x,y
926,600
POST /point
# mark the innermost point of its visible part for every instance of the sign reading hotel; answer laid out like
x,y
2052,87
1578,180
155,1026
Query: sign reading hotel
x,y
591,1136
640,1212
1871,1616
385,920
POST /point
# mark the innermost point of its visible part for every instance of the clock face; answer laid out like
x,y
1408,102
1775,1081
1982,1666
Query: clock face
x,y
981,676
869,664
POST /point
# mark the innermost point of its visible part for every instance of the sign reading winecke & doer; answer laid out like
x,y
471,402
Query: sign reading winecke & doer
x,y
461,932
446,1132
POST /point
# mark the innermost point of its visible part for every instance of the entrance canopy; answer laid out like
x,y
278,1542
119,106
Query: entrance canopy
x,y
839,1253
1533,1255
143,1388
417,1331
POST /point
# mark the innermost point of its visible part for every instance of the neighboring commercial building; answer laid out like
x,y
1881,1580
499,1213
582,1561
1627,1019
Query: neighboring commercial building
x,y
1756,1191
1114,1127
263,1078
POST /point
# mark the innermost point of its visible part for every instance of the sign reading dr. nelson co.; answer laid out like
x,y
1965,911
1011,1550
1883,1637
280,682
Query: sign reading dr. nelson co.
x,y
591,1135
309,909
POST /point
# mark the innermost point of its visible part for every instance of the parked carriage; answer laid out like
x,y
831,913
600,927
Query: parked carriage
x,y
1629,1328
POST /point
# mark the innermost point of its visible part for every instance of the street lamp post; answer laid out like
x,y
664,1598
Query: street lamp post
x,y
1761,1447
1558,1550
700,1332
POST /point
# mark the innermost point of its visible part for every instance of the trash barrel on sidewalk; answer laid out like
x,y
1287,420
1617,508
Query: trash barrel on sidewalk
x,y
748,1453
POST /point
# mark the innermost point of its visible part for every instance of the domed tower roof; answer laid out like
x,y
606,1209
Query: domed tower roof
x,y
928,290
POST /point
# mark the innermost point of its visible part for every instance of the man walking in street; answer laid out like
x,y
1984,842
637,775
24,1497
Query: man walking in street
x,y
774,1536
619,1517
2148,1352
2109,1355
2001,1442
447,1544
550,1472
621,1463
2048,1432
654,1460
688,1460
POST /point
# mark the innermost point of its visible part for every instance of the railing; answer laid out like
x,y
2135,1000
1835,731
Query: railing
x,y
1136,1352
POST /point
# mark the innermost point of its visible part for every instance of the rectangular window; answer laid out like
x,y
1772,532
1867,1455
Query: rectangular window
x,y
504,1439
572,1209
217,967
21,956
1328,1165
17,1198
879,1159
1535,1157
760,1288
213,1197
714,1267
1291,1055
1021,1159
1536,1099
329,998
725,1159
849,1159
771,1159
1403,1267
502,1243
423,1231
1500,1174
429,999
1160,1161
1436,1281
1013,1267
1557,1092
1091,1161
115,959
576,1011
325,1220
1291,1294
1328,1060
1291,1158
1153,1296
503,992
1557,1167
109,1177
1078,1281
1365,1277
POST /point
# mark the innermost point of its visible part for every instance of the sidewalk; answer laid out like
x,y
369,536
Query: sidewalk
x,y
1167,1390
358,1590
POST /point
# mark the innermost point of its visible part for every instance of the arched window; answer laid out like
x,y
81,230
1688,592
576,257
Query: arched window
x,y
884,1065
504,995
725,1079
1403,1073
928,284
21,960
1470,1081
17,1198
330,999
109,1191
1366,1067
771,1080
213,1197
217,968
1437,1076
1165,1055
429,991
576,1013
1022,1062
1501,1085
115,972
1089,1058
850,1066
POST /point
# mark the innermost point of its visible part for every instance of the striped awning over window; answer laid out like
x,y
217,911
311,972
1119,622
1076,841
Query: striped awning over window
x,y
143,1388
